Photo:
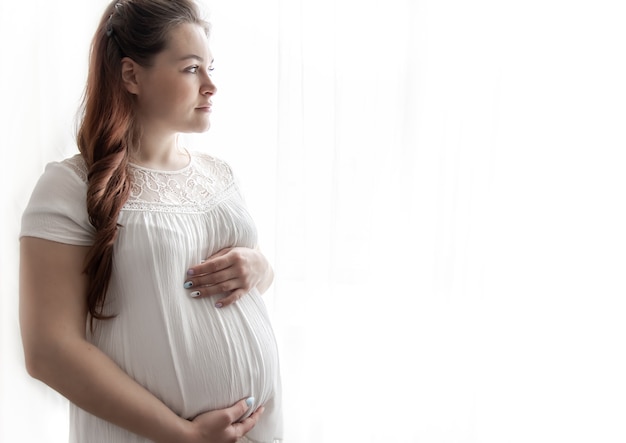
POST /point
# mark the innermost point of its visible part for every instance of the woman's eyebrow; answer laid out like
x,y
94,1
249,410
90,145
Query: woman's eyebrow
x,y
193,56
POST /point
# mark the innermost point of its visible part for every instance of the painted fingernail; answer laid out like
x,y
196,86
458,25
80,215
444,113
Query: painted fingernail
x,y
195,293
250,401
188,284
190,272
218,304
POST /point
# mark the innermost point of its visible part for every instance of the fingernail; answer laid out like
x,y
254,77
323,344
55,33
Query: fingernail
x,y
188,284
219,305
250,401
190,272
195,293
202,261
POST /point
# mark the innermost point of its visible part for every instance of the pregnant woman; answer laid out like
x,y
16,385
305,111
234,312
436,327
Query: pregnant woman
x,y
141,279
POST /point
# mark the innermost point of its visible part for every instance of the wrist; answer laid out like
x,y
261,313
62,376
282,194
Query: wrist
x,y
182,431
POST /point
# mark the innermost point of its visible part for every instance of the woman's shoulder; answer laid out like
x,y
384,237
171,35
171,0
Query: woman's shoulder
x,y
57,210
70,168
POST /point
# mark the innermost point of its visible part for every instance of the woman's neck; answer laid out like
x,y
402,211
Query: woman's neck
x,y
162,153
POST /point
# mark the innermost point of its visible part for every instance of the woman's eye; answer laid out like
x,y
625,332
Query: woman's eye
x,y
193,69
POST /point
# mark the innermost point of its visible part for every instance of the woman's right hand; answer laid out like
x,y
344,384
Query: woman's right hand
x,y
223,425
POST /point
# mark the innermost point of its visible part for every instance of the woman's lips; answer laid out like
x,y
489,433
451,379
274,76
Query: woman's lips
x,y
205,108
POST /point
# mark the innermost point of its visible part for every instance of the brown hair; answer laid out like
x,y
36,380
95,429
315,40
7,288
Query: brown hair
x,y
108,132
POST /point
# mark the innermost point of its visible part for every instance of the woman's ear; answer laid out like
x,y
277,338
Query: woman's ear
x,y
130,71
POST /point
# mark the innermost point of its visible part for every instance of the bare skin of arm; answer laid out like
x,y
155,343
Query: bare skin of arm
x,y
53,314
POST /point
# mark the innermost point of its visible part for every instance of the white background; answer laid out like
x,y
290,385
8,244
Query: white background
x,y
439,184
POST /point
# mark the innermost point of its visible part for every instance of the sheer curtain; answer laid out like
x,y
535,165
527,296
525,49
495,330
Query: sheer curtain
x,y
438,184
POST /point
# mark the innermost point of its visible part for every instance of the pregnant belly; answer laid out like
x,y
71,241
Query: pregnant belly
x,y
196,357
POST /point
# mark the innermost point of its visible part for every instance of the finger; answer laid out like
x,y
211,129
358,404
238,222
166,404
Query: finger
x,y
214,263
220,253
212,279
246,425
205,268
224,289
232,298
238,410
228,255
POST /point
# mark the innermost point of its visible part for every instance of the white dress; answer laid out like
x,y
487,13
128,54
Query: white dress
x,y
190,354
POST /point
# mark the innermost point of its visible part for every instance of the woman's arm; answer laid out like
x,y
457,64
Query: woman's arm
x,y
53,315
267,277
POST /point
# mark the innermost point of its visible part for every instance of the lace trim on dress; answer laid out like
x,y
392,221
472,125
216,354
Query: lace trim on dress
x,y
201,185
190,207
78,165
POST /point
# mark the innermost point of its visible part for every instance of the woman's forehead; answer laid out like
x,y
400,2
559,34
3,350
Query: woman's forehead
x,y
189,40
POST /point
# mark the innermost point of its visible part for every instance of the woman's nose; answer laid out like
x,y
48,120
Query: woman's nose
x,y
208,87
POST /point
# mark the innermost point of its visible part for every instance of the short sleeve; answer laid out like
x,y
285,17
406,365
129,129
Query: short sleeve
x,y
57,209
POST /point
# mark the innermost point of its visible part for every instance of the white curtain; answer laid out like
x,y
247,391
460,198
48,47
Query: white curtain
x,y
439,184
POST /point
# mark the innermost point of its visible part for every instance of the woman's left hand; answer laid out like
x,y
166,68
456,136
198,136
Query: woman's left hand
x,y
231,271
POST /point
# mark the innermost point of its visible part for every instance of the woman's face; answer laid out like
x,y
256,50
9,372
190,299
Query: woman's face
x,y
174,93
